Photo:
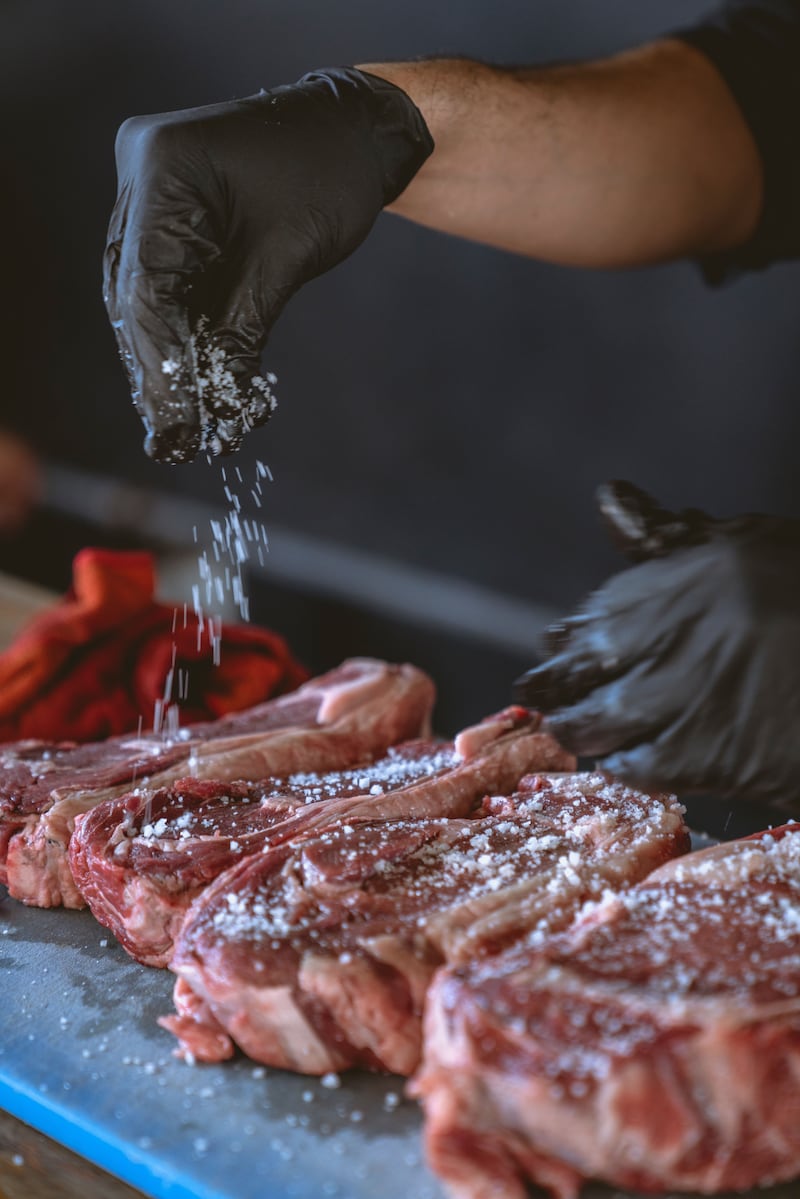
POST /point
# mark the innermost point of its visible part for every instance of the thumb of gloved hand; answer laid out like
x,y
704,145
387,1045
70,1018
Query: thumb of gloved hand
x,y
640,528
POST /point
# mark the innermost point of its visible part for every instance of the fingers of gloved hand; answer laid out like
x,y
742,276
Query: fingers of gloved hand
x,y
152,327
640,528
581,654
714,746
650,767
645,610
160,243
642,615
111,257
563,680
171,442
631,709
697,750
629,513
642,767
557,637
236,404
237,394
150,278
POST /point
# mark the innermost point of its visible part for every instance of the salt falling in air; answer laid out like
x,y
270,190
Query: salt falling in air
x,y
235,541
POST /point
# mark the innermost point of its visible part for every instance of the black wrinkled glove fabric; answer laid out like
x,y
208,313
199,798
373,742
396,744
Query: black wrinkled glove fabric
x,y
222,213
683,672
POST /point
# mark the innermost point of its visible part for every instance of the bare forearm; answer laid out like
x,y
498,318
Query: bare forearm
x,y
639,158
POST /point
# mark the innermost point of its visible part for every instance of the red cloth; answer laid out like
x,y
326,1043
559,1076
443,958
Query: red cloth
x,y
98,660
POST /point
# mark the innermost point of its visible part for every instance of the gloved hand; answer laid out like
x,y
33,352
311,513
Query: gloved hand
x,y
222,214
683,672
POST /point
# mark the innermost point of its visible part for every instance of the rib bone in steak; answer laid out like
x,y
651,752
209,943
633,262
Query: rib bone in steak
x,y
341,717
654,1045
317,955
140,860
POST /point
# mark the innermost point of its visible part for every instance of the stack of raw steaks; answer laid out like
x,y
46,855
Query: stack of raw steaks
x,y
571,996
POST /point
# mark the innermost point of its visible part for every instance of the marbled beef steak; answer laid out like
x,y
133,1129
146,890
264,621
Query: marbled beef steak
x,y
654,1045
141,860
358,709
317,954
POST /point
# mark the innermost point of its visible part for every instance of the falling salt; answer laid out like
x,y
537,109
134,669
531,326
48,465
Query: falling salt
x,y
234,541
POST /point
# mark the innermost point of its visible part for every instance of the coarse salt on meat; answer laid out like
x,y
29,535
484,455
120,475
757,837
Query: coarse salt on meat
x,y
317,954
654,1045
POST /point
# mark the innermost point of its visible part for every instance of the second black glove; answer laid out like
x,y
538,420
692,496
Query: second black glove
x,y
683,672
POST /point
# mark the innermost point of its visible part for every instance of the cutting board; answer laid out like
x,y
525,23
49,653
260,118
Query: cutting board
x,y
83,1060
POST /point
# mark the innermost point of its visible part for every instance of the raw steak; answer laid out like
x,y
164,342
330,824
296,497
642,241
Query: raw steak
x,y
140,860
349,713
654,1045
317,955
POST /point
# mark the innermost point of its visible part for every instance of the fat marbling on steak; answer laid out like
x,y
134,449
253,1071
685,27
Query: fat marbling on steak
x,y
318,954
655,1045
141,860
343,716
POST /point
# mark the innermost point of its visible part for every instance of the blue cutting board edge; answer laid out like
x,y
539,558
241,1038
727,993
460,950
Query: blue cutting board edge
x,y
94,1144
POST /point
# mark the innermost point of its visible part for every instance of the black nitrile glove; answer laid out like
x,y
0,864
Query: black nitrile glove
x,y
222,214
683,672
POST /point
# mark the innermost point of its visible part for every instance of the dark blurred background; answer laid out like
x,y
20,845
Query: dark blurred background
x,y
446,410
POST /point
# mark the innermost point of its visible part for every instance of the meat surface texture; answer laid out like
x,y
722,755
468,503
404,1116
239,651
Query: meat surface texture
x,y
317,955
141,860
358,709
654,1045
